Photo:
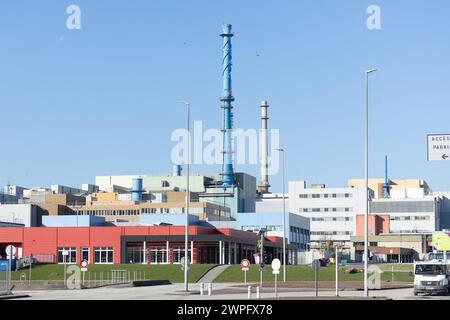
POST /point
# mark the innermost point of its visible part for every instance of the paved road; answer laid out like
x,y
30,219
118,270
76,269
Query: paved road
x,y
220,292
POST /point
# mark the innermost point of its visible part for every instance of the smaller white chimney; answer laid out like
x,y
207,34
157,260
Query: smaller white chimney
x,y
263,186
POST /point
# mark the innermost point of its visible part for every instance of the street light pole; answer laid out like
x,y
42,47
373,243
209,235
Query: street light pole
x,y
366,187
284,219
186,251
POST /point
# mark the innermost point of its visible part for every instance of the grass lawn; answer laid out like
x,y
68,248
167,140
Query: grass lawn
x,y
173,273
301,273
397,267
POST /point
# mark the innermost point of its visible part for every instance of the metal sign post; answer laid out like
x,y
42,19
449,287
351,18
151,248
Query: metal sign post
x,y
337,272
276,264
65,253
315,266
10,252
84,265
31,262
245,264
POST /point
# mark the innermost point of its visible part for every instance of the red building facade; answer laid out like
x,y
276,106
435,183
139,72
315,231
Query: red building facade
x,y
135,244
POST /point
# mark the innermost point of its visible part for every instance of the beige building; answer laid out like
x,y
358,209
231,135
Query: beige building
x,y
130,211
377,185
396,248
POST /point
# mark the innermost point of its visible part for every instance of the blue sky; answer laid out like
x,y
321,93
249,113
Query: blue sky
x,y
103,100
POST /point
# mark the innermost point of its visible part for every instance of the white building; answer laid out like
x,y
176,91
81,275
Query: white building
x,y
332,212
409,215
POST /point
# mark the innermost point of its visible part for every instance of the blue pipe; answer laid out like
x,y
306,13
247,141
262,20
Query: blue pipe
x,y
386,180
227,98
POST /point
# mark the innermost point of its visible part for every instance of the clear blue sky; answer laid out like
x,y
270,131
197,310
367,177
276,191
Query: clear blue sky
x,y
103,100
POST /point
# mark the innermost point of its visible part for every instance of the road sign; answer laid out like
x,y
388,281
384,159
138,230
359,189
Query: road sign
x,y
438,147
276,264
256,257
65,253
84,265
245,264
10,250
315,264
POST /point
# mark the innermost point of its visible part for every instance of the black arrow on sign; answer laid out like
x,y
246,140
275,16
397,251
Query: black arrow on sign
x,y
444,156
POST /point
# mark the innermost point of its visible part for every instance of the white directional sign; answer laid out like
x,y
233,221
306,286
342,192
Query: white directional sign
x,y
438,147
276,264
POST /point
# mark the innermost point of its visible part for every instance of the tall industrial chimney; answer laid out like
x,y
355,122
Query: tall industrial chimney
x,y
227,99
263,186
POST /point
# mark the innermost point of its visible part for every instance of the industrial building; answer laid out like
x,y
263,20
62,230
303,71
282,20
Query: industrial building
x,y
147,244
332,213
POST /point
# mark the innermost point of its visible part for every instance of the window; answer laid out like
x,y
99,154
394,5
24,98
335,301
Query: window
x,y
71,257
178,253
85,254
103,255
334,195
158,255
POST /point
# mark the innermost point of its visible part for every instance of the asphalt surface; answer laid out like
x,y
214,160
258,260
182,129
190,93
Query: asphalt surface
x,y
220,292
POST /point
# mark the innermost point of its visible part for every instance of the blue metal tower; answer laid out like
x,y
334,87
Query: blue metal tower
x,y
227,99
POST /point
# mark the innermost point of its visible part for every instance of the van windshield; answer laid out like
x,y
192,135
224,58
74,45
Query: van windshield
x,y
431,269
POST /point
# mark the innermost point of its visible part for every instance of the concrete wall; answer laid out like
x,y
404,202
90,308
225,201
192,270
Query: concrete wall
x,y
25,214
72,221
173,219
271,202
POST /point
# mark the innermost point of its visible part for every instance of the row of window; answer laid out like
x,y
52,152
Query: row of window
x,y
331,233
155,255
325,195
406,218
125,212
360,244
256,228
101,255
299,235
332,219
325,210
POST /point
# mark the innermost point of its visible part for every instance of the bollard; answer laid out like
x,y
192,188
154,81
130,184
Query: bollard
x,y
209,289
249,292
258,295
201,288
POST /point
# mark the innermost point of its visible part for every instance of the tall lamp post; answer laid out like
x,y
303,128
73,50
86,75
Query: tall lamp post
x,y
186,234
284,219
366,186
